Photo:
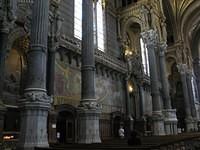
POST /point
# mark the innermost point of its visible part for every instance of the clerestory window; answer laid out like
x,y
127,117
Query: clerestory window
x,y
145,59
99,26
194,89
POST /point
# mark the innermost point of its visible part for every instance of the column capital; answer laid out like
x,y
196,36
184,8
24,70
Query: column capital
x,y
163,48
150,37
182,68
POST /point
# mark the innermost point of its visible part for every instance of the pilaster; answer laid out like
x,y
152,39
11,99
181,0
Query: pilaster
x,y
150,38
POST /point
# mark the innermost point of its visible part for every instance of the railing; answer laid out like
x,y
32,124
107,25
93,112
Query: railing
x,y
192,143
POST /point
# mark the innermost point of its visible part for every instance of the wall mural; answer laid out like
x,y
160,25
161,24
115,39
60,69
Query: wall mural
x,y
109,93
67,84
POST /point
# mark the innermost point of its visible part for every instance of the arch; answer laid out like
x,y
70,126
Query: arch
x,y
127,22
190,27
66,107
66,123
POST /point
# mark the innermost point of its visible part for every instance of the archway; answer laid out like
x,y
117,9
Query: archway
x,y
66,126
116,120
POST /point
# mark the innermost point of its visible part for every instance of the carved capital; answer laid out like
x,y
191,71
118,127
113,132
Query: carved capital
x,y
163,48
150,37
37,96
89,104
182,68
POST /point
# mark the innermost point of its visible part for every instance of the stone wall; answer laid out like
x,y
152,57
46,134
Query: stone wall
x,y
110,92
67,13
110,26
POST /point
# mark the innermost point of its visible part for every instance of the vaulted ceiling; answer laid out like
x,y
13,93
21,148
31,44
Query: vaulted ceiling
x,y
183,20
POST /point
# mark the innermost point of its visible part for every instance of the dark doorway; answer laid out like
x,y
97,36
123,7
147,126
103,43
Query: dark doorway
x,y
66,127
116,125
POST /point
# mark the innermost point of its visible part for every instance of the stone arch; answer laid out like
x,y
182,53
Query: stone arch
x,y
66,123
127,22
190,27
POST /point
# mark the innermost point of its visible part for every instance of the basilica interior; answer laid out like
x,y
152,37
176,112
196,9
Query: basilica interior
x,y
74,71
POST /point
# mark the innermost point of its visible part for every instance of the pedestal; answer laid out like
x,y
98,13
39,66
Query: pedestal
x,y
158,123
189,124
33,131
88,126
195,123
170,121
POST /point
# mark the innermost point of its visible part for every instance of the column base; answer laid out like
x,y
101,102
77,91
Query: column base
x,y
195,123
158,123
189,124
88,126
170,121
33,131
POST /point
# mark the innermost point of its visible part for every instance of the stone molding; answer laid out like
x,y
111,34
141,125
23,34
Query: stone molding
x,y
103,58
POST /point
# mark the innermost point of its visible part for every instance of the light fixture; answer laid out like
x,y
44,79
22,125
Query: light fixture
x,y
130,88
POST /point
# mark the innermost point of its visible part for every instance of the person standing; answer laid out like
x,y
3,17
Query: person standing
x,y
121,132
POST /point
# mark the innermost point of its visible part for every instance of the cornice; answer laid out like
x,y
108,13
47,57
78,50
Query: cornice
x,y
74,45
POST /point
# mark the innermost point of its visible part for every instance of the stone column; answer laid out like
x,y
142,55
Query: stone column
x,y
142,99
192,98
196,64
88,110
182,68
169,113
36,104
7,18
129,120
150,38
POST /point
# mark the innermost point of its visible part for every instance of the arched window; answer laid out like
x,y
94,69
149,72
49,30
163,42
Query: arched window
x,y
78,19
145,59
99,26
194,89
100,29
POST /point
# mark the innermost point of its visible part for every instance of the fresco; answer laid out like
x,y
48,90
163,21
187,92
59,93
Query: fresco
x,y
67,84
109,92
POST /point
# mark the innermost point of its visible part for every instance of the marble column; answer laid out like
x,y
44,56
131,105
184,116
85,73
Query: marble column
x,y
182,68
7,18
192,97
89,112
169,113
36,104
150,39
